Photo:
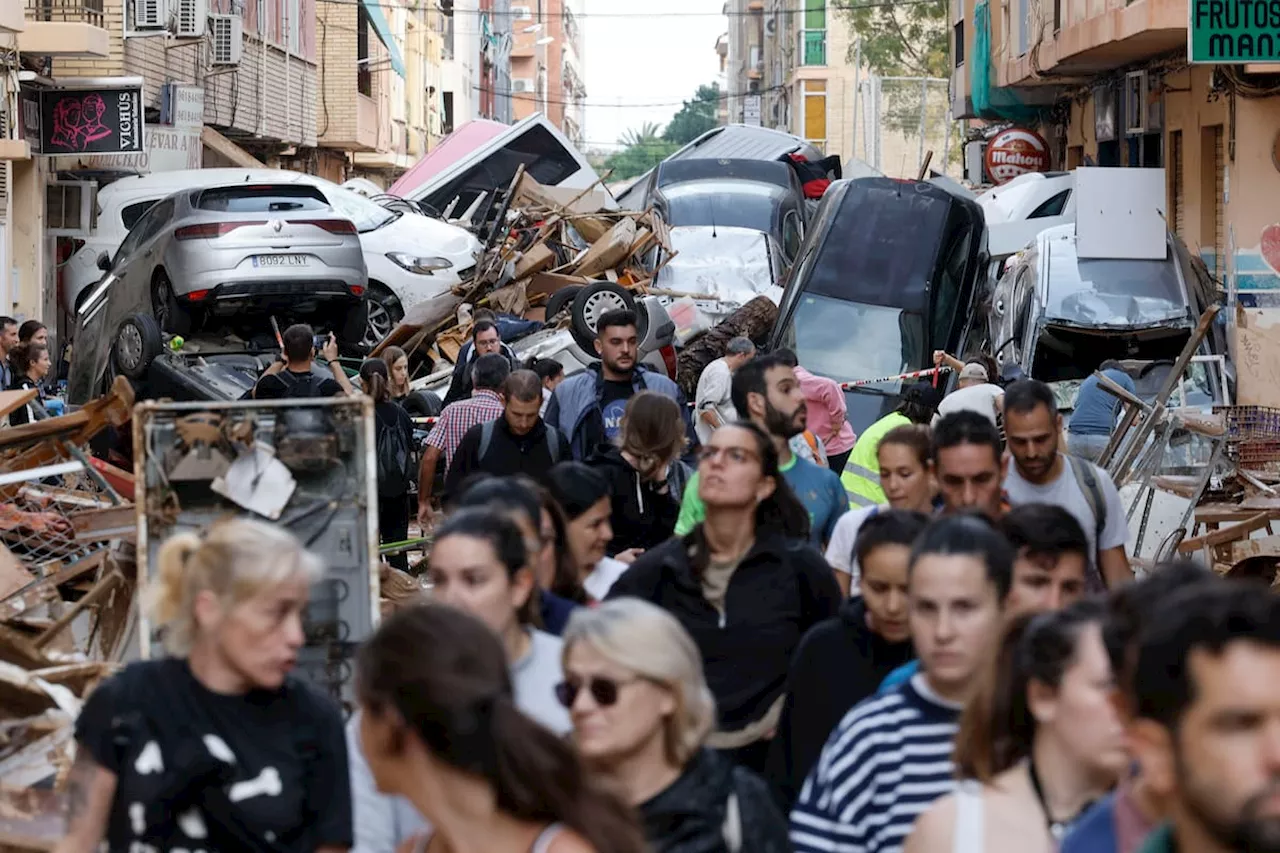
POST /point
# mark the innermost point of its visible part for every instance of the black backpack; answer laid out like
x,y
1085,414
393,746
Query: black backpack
x,y
395,458
486,438
301,386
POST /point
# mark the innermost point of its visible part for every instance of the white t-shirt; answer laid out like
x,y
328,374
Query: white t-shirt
x,y
603,576
840,549
713,393
1067,493
975,398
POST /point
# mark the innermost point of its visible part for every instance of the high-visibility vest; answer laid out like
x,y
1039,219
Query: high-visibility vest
x,y
861,475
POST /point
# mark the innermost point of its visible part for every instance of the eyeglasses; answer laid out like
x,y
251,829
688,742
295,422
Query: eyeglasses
x,y
738,455
604,691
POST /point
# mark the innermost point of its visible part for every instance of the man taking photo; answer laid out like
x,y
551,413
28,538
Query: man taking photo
x,y
291,376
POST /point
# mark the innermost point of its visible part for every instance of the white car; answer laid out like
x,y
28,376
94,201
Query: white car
x,y
410,258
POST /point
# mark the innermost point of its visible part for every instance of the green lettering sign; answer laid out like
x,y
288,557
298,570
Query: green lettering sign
x,y
1233,31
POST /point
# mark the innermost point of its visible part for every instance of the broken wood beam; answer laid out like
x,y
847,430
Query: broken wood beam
x,y
1233,533
93,596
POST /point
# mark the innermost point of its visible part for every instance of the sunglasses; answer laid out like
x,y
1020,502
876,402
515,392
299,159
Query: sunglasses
x,y
604,691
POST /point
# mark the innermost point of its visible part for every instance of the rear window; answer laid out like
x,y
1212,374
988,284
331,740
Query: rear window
x,y
133,212
261,199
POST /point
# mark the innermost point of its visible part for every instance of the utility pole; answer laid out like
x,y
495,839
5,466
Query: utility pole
x,y
857,85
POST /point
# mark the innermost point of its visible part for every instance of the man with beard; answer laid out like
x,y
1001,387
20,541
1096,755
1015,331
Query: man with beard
x,y
767,393
1207,687
1041,474
587,407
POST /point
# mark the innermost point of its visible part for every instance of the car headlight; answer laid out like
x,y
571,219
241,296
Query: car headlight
x,y
419,265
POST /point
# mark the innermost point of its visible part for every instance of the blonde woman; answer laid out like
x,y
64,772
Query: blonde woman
x,y
641,711
217,747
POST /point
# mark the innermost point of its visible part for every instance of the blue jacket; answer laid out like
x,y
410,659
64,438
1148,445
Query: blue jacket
x,y
574,408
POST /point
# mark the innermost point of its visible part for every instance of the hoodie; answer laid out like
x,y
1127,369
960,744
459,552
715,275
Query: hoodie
x,y
642,517
839,663
690,815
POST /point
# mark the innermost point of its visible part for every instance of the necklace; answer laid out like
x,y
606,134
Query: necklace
x,y
1057,828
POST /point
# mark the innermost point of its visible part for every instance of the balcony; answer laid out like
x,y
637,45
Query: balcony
x,y
813,47
64,28
1097,37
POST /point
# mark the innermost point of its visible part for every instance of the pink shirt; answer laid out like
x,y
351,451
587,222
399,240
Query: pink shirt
x,y
826,406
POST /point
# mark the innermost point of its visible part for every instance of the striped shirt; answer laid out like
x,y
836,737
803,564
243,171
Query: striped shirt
x,y
882,767
481,407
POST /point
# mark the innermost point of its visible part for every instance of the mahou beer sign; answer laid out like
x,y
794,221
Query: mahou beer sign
x,y
1014,152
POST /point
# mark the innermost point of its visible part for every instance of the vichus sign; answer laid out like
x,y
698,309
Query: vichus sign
x,y
1014,152
73,120
1233,31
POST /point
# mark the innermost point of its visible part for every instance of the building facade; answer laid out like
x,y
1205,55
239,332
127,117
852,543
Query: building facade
x,y
547,64
1109,84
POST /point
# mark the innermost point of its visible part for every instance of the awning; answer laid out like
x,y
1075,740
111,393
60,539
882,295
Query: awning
x,y
379,21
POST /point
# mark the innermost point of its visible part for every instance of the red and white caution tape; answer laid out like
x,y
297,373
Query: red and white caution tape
x,y
935,372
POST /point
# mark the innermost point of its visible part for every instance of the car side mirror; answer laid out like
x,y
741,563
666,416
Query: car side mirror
x,y
104,262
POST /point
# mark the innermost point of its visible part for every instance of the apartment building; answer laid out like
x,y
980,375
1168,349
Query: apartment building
x,y
547,64
1108,83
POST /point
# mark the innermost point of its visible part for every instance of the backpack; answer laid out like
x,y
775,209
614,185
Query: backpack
x,y
301,386
1087,479
486,438
395,459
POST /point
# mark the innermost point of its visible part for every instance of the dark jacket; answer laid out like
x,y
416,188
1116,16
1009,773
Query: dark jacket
x,y
780,590
574,408
839,663
460,384
507,454
33,411
642,517
689,816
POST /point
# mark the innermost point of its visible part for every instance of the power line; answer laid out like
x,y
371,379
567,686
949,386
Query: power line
x,y
723,96
851,7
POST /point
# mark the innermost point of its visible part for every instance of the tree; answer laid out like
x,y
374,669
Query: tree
x,y
642,149
695,117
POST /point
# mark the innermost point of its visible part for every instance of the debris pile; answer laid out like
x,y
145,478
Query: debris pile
x,y
67,530
550,253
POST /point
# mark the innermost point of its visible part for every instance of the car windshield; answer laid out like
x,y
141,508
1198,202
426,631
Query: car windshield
x,y
367,215
732,203
1111,292
262,198
852,341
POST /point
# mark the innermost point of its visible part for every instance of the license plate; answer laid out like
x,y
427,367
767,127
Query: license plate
x,y
281,260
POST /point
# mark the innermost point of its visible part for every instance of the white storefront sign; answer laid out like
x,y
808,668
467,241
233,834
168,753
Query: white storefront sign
x,y
751,110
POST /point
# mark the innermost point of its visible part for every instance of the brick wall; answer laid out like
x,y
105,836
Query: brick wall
x,y
337,107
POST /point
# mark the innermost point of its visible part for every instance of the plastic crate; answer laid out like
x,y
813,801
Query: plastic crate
x,y
1250,423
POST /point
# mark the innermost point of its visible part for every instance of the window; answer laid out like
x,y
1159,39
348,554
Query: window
x,y
364,76
145,228
1052,206
1024,26
792,235
813,37
293,33
946,299
261,198
959,43
814,112
446,124
447,30
851,341
367,215
133,212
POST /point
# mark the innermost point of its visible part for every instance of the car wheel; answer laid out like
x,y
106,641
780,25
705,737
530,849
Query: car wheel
x,y
561,300
384,313
353,327
594,301
423,404
170,313
138,342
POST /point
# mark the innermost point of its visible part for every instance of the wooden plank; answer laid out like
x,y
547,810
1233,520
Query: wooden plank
x,y
1233,533
32,818
41,590
11,401
609,250
96,525
93,596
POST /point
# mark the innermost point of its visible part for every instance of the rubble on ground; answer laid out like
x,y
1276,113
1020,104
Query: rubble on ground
x,y
67,531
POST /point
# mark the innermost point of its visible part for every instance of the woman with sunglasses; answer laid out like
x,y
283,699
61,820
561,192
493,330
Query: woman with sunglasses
x,y
641,711
478,563
440,727
745,583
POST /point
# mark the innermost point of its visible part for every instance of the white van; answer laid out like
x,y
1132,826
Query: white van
x,y
410,258
482,156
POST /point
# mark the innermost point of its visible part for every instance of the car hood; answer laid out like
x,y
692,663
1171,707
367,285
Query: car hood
x,y
426,236
725,263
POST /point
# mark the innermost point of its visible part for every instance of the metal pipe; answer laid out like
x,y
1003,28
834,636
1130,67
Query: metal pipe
x,y
40,473
924,104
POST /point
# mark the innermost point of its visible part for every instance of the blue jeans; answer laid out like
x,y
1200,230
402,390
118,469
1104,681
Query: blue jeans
x,y
1087,445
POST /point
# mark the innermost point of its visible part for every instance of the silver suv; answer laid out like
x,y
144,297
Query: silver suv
x,y
245,249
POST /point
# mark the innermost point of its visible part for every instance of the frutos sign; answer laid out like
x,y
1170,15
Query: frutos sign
x,y
1014,152
1233,31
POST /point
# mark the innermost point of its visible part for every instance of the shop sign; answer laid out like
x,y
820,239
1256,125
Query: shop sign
x,y
1014,152
751,110
97,120
169,149
1233,31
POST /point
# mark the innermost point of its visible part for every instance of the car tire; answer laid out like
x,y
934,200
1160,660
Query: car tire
x,y
137,343
352,328
595,300
561,300
423,404
170,314
384,314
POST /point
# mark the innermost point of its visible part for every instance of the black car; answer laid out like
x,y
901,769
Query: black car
x,y
888,273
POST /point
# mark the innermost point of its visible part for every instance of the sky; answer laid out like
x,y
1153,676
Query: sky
x,y
638,60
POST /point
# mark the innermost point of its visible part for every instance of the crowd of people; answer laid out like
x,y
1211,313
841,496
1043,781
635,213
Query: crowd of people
x,y
660,627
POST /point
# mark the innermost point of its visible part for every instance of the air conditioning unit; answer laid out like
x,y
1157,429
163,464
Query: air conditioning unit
x,y
150,14
1135,103
522,84
228,39
192,17
521,13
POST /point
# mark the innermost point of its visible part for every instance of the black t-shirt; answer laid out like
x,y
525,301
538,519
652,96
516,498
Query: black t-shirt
x,y
279,386
612,404
27,413
274,764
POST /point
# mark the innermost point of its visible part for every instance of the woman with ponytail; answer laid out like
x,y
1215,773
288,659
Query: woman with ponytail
x,y
439,725
217,747
745,583
31,365
396,462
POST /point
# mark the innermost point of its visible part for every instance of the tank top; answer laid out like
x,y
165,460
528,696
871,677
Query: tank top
x,y
969,835
541,844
